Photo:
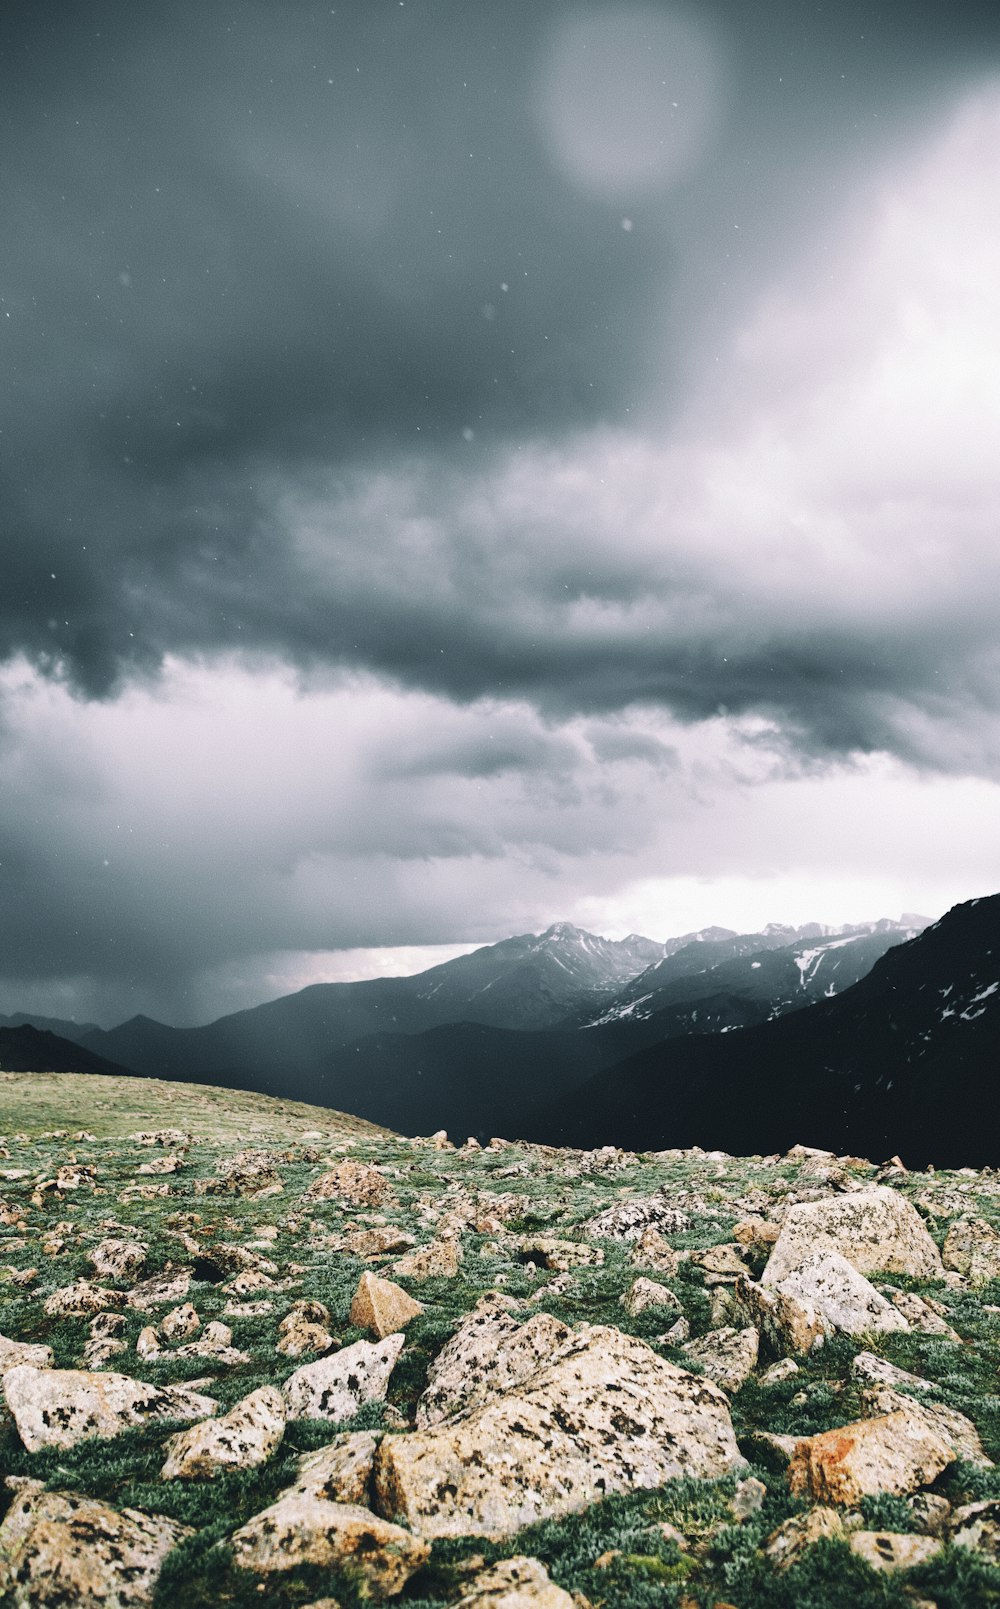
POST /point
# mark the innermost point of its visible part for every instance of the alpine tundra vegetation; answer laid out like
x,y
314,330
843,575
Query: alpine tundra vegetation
x,y
254,1351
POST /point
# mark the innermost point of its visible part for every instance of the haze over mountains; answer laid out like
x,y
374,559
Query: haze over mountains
x,y
488,1042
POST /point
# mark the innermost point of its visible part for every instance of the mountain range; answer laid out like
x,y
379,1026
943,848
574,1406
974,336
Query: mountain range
x,y
486,1043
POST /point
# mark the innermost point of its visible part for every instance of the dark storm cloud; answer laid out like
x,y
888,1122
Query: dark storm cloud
x,y
260,259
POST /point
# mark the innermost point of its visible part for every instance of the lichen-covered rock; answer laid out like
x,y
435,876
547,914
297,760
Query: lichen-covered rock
x,y
382,1306
892,1550
377,1241
787,1323
728,1357
845,1300
895,1452
519,1583
80,1300
104,1343
489,1354
548,1251
644,1293
245,1436
627,1220
652,1250
953,1427
117,1259
341,1471
877,1230
60,1407
923,1315
334,1387
172,1286
977,1526
303,1527
785,1546
603,1413
59,1550
304,1329
440,1260
356,1182
14,1352
972,1248
180,1322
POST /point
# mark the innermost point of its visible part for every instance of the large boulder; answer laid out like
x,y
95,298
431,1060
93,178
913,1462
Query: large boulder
x,y
58,1549
490,1353
354,1182
895,1452
844,1299
334,1387
117,1259
60,1407
953,1427
601,1413
877,1230
249,1434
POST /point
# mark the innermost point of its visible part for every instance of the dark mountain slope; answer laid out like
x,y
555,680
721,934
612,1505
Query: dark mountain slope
x,y
908,1061
35,1050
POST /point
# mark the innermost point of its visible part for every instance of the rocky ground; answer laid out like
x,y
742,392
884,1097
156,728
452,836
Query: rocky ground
x,y
282,1358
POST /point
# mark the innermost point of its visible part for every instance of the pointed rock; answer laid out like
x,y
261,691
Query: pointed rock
x,y
845,1300
489,1354
382,1306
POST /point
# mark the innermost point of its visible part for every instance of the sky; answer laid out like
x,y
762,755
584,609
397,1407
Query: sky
x,y
469,465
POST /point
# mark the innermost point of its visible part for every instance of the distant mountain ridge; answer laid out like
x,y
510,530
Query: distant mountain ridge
x,y
905,1060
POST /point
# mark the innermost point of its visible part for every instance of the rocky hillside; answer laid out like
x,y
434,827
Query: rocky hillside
x,y
344,1366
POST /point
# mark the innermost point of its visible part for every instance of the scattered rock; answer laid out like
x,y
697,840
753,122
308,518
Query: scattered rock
x,y
303,1527
603,1413
547,1251
334,1387
304,1329
104,1343
376,1242
356,1182
876,1230
643,1294
784,1369
518,1583
58,1548
844,1299
728,1357
977,1526
627,1220
380,1305
245,1436
489,1354
80,1300
922,1315
953,1427
341,1471
158,1291
60,1407
892,1550
117,1259
14,1352
895,1452
247,1173
972,1248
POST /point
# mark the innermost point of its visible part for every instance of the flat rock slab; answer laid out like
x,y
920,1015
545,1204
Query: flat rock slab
x,y
249,1434
895,1452
603,1413
877,1230
62,1551
892,1550
305,1528
334,1387
60,1407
